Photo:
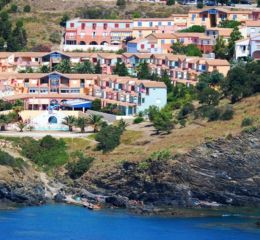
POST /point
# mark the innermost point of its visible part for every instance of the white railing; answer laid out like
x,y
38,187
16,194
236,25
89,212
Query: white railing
x,y
91,47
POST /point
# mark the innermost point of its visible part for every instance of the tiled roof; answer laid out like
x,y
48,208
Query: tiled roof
x,y
251,23
153,84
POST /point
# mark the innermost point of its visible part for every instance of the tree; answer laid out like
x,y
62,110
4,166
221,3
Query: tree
x,y
44,69
64,66
121,3
2,44
258,3
143,71
229,24
152,112
170,2
13,8
82,123
21,125
220,49
162,121
209,96
178,48
98,68
234,36
64,19
122,125
27,8
18,39
3,122
192,50
96,105
194,28
238,83
200,4
69,121
166,79
108,138
120,69
80,165
85,67
96,121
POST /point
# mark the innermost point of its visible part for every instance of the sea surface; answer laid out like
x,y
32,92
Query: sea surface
x,y
63,222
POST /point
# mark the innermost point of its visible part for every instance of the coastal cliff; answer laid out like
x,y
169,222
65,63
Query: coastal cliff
x,y
224,172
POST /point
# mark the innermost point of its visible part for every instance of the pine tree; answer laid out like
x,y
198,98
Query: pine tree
x,y
166,79
2,44
143,71
19,36
121,69
170,2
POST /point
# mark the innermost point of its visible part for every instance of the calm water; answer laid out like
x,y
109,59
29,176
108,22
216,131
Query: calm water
x,y
61,222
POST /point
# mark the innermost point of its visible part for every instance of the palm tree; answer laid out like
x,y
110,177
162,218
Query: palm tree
x,y
96,121
82,123
69,121
21,125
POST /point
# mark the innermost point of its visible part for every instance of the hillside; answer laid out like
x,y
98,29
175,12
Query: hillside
x,y
45,15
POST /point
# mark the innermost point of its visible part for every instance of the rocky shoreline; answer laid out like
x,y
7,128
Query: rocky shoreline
x,y
216,175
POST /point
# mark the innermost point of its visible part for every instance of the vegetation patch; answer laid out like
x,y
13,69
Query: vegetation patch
x,y
7,160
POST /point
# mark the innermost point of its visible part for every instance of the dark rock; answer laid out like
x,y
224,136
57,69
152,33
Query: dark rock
x,y
59,197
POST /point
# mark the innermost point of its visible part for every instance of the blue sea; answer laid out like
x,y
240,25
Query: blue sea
x,y
63,222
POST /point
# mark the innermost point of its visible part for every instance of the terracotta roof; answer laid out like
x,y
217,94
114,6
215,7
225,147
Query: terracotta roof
x,y
109,55
137,40
153,84
180,15
145,28
251,23
121,30
163,35
5,54
222,31
189,34
217,62
173,57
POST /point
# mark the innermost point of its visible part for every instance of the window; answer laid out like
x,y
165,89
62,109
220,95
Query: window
x,y
139,24
172,41
150,24
83,26
159,23
116,25
142,46
193,17
72,25
64,90
147,91
162,41
94,26
75,90
105,26
143,100
127,25
152,45
94,34
234,17
169,23
52,120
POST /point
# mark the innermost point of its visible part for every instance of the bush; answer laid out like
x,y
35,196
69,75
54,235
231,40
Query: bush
x,y
96,105
27,8
138,120
182,122
80,165
108,138
185,110
227,113
48,152
13,8
213,114
247,121
8,160
250,129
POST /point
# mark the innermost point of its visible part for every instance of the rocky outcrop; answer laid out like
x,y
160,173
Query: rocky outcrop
x,y
218,173
21,186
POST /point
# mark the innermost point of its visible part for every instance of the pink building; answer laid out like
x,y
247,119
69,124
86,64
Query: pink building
x,y
97,31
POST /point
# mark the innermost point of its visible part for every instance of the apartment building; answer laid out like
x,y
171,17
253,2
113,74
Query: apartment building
x,y
39,90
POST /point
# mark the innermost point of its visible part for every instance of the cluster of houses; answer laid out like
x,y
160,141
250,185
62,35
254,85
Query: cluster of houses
x,y
156,35
40,91
146,40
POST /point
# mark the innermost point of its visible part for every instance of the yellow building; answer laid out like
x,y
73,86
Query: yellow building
x,y
211,17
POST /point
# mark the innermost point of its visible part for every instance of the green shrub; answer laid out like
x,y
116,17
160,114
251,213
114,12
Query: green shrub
x,y
144,165
185,110
182,122
247,121
160,155
80,165
250,129
48,152
213,114
108,138
13,8
227,113
27,8
138,120
7,160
